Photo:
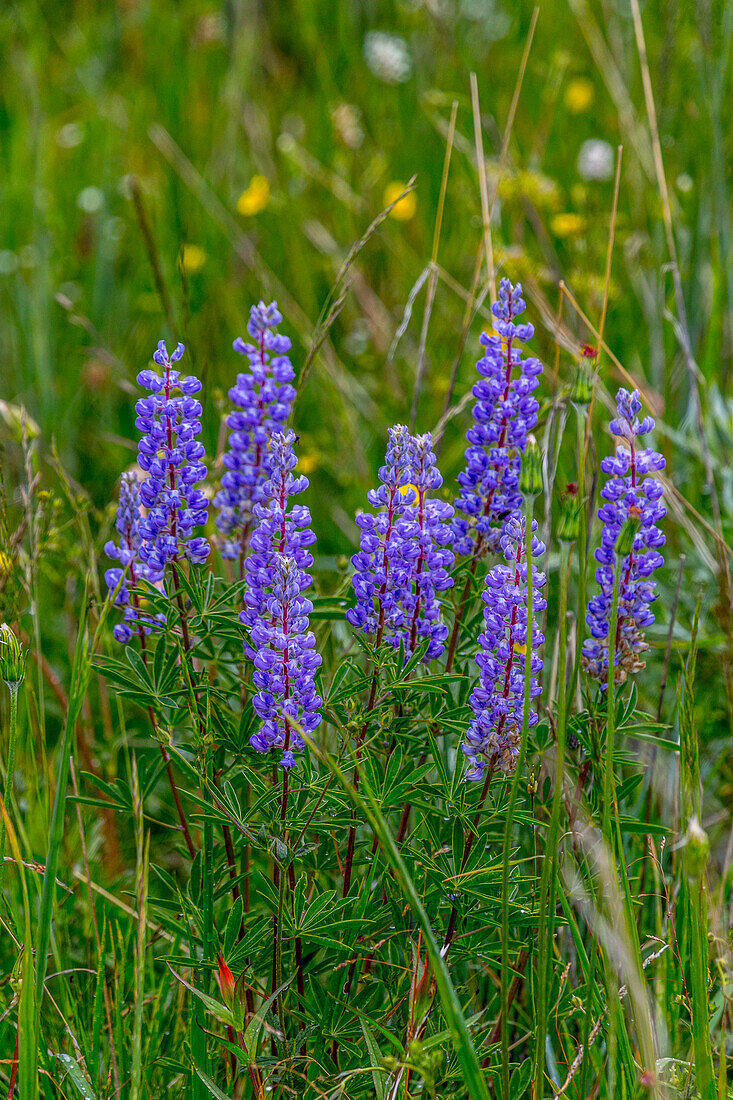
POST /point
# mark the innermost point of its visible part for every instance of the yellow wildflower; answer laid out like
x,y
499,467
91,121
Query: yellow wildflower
x,y
307,462
579,95
255,197
568,225
406,207
405,489
193,258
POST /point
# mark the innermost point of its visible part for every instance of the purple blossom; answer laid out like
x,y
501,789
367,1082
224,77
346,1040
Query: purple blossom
x,y
276,613
426,536
131,568
171,456
263,399
381,568
285,662
504,413
281,528
497,700
405,552
628,493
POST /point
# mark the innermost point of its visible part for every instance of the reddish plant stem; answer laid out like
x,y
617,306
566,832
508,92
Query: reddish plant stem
x,y
154,723
372,696
246,529
418,571
630,562
513,990
468,844
14,1068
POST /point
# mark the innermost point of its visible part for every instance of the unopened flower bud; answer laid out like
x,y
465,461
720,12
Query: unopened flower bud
x,y
226,981
12,662
582,390
530,478
696,849
627,534
567,529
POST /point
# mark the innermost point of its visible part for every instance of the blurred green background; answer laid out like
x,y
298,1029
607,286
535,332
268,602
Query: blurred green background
x,y
263,138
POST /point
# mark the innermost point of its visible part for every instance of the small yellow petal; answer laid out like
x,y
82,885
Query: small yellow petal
x,y
255,197
579,95
405,489
307,463
520,649
568,225
406,207
193,258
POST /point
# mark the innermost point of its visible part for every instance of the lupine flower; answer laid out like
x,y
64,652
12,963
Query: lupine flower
x,y
171,456
504,413
381,569
426,536
497,701
131,569
263,400
285,663
629,494
404,554
281,529
276,612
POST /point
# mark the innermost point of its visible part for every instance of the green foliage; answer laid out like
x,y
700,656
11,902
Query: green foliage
x,y
568,934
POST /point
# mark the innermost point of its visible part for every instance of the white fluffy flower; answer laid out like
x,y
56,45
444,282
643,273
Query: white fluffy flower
x,y
388,57
595,160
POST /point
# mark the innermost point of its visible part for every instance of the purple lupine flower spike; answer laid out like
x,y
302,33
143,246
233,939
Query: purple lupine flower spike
x,y
276,613
281,528
263,399
504,413
131,568
628,493
497,701
286,662
381,569
427,537
171,456
405,553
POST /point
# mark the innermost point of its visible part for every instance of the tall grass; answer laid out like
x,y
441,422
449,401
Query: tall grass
x,y
563,933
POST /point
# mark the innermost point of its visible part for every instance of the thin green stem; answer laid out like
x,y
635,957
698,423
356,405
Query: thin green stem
x,y
581,418
512,809
279,957
13,689
550,864
608,775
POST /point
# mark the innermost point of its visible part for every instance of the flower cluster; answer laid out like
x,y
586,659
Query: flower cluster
x,y
405,554
285,663
171,456
131,569
493,735
263,400
380,569
276,613
628,494
426,533
504,413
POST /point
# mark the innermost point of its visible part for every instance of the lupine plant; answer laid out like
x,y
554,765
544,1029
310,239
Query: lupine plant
x,y
402,853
